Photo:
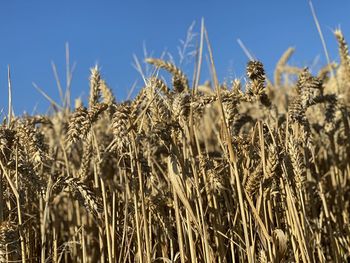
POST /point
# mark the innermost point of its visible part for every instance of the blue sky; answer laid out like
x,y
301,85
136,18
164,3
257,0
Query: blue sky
x,y
34,33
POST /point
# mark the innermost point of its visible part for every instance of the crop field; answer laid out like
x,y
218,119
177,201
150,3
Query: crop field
x,y
255,170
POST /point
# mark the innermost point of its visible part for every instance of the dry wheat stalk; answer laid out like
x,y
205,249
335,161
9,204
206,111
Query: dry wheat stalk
x,y
95,85
180,81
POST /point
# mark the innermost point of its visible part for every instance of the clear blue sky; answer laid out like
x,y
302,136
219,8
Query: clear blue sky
x,y
34,33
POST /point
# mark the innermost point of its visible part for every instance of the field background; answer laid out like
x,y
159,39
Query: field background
x,y
188,154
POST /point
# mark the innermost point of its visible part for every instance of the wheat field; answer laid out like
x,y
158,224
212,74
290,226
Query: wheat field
x,y
256,170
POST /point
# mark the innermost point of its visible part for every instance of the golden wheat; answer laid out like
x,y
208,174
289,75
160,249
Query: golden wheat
x,y
184,174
